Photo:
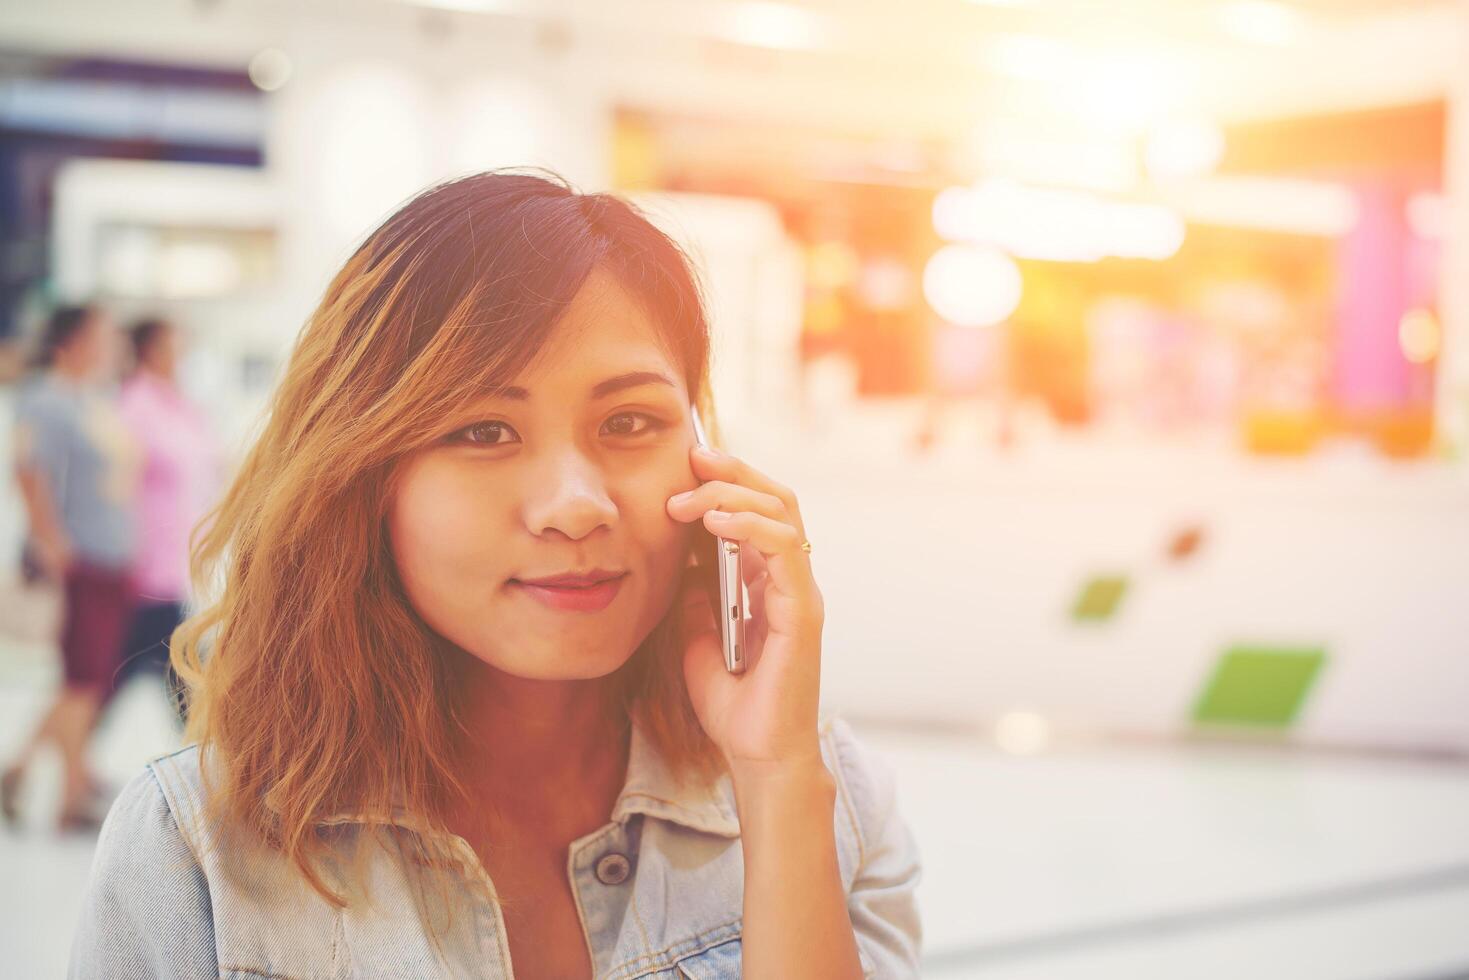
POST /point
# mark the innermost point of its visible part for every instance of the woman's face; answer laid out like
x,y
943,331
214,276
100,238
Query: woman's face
x,y
567,479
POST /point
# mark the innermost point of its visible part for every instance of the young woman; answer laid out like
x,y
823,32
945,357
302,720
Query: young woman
x,y
458,713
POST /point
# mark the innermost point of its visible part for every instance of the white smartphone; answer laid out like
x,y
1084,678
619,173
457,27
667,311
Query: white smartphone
x,y
717,563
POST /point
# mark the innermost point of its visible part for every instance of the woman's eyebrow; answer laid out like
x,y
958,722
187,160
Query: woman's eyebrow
x,y
601,389
632,379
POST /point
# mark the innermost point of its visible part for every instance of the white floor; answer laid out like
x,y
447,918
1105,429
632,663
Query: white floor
x,y
1187,862
1090,860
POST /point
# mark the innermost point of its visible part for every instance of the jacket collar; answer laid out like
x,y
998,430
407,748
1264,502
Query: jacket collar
x,y
654,789
651,788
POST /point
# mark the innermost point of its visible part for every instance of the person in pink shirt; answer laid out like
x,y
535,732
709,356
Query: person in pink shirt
x,y
181,470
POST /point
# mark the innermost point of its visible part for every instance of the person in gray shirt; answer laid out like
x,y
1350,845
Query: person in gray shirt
x,y
77,466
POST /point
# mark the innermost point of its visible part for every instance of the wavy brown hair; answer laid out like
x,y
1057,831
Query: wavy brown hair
x,y
314,686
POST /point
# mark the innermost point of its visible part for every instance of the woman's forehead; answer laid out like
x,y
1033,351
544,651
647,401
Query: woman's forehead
x,y
605,331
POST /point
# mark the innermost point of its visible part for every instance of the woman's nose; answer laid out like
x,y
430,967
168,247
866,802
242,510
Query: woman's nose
x,y
569,496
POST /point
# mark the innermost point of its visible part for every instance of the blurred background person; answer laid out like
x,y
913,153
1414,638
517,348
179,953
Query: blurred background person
x,y
76,464
180,470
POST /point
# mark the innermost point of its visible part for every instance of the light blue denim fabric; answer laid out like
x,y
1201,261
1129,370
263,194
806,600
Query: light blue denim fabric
x,y
166,901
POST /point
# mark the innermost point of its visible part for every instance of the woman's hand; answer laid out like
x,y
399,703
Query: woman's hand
x,y
796,921
764,720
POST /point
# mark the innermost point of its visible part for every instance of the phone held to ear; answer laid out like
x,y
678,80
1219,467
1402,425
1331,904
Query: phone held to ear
x,y
718,567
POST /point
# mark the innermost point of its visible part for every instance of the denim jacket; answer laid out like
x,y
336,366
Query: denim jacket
x,y
658,889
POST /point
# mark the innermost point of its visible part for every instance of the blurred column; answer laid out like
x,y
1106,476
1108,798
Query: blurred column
x,y
1372,376
1452,409
379,106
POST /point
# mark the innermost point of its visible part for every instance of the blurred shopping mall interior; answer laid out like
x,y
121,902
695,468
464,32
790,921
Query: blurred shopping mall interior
x,y
1118,353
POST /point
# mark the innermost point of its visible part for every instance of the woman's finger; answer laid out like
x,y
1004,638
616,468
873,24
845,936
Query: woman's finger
x,y
728,497
752,567
732,469
779,544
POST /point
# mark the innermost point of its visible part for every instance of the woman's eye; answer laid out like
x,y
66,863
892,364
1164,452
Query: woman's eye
x,y
490,433
624,429
482,433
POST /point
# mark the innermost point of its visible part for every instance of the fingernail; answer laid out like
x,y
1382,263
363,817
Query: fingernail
x,y
709,451
718,516
681,497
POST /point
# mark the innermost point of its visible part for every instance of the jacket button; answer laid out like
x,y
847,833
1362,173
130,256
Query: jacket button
x,y
613,869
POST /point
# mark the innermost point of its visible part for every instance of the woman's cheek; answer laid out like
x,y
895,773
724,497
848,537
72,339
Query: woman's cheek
x,y
437,522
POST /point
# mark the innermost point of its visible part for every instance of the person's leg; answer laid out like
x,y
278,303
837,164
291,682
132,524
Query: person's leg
x,y
137,654
73,733
15,772
146,649
54,720
102,608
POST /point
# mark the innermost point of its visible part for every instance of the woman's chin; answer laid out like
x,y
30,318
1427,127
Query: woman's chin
x,y
561,666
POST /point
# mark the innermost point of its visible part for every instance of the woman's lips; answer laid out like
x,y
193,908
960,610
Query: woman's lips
x,y
589,598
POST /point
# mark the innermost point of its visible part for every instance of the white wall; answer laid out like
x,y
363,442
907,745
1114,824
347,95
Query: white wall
x,y
949,580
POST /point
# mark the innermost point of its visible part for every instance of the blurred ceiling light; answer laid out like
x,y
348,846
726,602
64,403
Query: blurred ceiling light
x,y
1419,336
1096,164
765,24
970,286
1428,215
1124,91
1127,87
270,69
1022,732
1184,148
1290,205
1056,225
1262,22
